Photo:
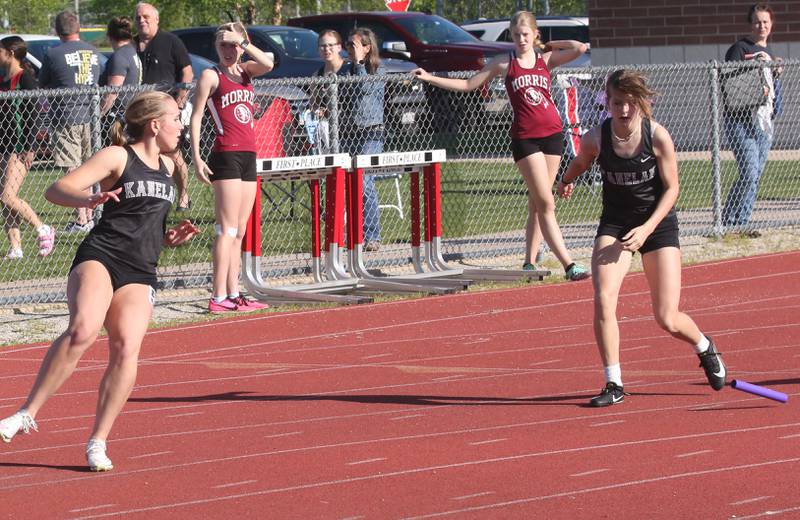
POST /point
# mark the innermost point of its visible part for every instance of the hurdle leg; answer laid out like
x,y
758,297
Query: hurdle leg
x,y
434,175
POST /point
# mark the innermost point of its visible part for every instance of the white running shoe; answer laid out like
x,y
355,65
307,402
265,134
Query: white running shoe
x,y
96,456
20,421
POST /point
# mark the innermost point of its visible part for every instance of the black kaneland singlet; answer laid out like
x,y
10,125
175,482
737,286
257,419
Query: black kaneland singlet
x,y
632,186
131,231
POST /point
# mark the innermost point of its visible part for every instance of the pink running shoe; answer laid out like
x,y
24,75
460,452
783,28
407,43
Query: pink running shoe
x,y
245,305
223,306
47,242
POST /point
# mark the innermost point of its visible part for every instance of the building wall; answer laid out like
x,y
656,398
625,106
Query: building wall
x,y
668,31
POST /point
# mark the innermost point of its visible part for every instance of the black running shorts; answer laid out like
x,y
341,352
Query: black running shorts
x,y
233,165
550,145
664,235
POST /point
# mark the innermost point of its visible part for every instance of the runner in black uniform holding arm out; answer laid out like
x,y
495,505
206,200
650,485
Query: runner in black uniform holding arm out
x,y
640,188
113,277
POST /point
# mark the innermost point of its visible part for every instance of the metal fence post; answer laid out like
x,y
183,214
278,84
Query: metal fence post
x,y
716,174
334,112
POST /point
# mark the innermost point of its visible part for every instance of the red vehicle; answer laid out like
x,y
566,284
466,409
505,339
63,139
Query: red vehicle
x,y
430,41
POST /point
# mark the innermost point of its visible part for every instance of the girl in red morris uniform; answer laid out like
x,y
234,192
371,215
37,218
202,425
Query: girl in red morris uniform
x,y
231,167
536,135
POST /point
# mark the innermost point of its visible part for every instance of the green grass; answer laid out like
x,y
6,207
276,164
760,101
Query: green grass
x,y
478,197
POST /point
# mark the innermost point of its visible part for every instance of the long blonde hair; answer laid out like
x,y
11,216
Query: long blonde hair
x,y
144,108
527,18
632,83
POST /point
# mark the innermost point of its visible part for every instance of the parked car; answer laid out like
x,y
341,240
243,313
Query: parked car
x,y
550,28
432,42
295,50
296,55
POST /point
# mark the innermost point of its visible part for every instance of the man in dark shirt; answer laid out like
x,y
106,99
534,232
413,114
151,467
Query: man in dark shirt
x,y
165,63
71,64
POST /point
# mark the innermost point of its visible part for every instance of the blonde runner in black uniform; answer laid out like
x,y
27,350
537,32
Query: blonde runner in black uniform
x,y
640,188
112,280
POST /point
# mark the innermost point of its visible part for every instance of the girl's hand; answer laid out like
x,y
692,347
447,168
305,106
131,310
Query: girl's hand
x,y
357,50
180,234
421,74
565,190
230,37
635,238
95,199
202,171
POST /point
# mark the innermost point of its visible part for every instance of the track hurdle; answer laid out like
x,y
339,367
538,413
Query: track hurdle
x,y
310,168
411,164
433,248
426,255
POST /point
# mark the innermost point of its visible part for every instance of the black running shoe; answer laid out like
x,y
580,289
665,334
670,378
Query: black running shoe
x,y
611,394
711,361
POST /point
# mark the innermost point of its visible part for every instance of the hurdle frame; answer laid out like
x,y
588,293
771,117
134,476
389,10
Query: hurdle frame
x,y
430,266
311,169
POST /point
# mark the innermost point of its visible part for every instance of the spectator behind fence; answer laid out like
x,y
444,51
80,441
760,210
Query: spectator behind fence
x,y
228,91
71,64
537,140
112,280
361,129
329,45
166,64
17,147
640,187
750,131
124,68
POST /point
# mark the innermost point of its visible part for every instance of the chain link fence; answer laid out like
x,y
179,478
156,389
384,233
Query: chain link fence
x,y
721,140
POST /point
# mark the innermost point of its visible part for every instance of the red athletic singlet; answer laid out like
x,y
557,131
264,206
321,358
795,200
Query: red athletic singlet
x,y
232,108
535,115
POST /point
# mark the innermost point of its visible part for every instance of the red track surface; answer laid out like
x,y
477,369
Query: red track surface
x,y
470,406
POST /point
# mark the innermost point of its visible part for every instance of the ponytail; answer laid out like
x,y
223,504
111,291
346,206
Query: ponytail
x,y
117,133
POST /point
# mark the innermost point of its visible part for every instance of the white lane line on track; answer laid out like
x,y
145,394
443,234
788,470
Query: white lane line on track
x,y
608,423
491,312
749,500
146,455
579,491
234,484
490,441
474,495
454,356
693,453
375,356
20,475
792,436
365,461
580,449
67,430
770,513
84,509
426,409
591,472
404,417
539,363
276,435
187,414
336,367
447,378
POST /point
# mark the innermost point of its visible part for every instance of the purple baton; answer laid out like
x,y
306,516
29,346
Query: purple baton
x,y
744,386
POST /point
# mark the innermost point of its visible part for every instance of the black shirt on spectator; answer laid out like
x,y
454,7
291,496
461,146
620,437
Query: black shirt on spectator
x,y
163,60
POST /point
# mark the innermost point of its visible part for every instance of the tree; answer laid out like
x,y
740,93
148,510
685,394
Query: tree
x,y
20,18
